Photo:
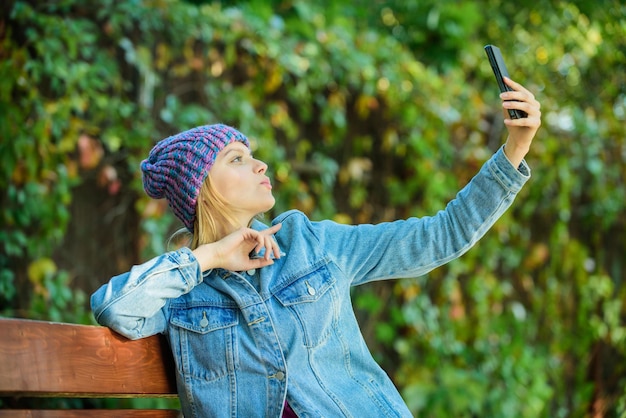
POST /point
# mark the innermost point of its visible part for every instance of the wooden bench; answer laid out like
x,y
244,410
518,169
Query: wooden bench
x,y
41,359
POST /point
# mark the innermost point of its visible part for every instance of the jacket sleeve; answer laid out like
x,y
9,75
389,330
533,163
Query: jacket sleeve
x,y
415,246
134,303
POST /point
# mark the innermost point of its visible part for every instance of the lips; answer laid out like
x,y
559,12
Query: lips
x,y
267,183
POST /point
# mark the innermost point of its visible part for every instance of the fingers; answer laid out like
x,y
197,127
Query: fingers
x,y
532,109
273,229
517,87
265,241
521,99
273,247
519,93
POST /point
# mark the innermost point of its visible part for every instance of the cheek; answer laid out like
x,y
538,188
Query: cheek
x,y
219,181
224,187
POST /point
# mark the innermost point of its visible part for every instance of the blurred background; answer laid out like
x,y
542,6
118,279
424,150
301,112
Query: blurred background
x,y
365,111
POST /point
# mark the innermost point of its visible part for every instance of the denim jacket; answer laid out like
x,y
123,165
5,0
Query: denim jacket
x,y
246,342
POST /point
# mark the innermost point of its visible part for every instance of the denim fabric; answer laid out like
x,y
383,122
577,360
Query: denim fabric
x,y
244,342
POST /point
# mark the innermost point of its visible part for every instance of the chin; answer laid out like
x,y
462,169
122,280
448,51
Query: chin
x,y
269,207
270,204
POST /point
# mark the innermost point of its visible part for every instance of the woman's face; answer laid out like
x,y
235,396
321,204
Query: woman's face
x,y
242,182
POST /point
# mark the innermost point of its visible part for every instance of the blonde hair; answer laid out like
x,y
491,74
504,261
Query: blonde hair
x,y
213,218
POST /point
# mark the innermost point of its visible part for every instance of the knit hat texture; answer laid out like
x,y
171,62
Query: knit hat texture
x,y
178,165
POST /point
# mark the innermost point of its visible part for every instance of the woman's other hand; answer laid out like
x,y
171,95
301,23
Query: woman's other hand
x,y
233,251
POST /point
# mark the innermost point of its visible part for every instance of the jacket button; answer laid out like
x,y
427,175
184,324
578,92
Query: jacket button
x,y
205,322
251,272
310,289
279,375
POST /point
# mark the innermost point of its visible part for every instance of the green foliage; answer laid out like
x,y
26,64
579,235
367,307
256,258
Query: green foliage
x,y
365,112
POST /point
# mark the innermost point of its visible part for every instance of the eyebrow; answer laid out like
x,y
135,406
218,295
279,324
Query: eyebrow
x,y
243,149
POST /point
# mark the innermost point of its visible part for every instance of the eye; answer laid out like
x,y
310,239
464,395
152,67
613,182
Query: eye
x,y
239,158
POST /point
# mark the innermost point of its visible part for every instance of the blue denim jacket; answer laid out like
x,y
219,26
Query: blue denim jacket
x,y
244,342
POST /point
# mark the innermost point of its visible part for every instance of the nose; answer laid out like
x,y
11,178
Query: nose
x,y
260,167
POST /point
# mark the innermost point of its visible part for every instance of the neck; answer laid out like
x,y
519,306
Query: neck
x,y
241,222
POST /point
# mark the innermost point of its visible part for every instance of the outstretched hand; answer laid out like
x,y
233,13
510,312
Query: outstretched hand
x,y
233,251
521,131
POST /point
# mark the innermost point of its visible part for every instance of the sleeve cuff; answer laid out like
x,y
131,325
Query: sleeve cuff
x,y
510,177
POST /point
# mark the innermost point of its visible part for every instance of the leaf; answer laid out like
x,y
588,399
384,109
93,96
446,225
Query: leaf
x,y
40,269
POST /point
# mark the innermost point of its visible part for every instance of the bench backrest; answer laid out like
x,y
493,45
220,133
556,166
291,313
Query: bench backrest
x,y
47,359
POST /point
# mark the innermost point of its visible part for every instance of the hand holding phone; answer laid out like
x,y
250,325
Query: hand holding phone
x,y
500,71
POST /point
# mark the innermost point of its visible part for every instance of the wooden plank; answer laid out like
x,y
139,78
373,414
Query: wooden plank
x,y
39,358
92,413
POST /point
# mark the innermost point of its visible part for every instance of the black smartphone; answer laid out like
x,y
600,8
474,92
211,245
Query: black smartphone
x,y
499,70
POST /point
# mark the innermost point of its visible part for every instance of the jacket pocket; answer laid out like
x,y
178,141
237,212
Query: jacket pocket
x,y
310,299
204,340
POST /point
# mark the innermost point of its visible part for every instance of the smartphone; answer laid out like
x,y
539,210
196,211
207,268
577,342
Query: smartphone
x,y
500,71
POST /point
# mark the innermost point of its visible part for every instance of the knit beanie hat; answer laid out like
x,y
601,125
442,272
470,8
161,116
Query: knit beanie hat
x,y
178,165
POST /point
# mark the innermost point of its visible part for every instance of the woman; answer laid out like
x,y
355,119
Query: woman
x,y
259,318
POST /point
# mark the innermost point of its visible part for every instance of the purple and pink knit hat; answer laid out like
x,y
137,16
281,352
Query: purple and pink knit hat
x,y
178,165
